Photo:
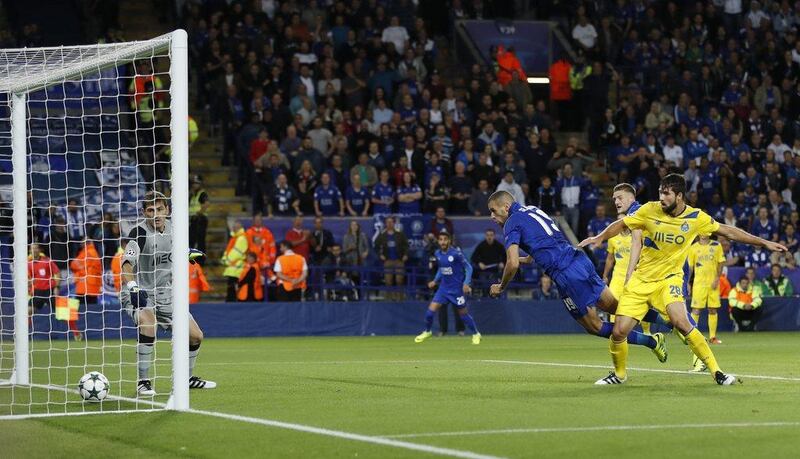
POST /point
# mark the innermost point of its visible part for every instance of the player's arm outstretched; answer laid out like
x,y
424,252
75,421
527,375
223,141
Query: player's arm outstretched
x,y
610,231
739,235
509,271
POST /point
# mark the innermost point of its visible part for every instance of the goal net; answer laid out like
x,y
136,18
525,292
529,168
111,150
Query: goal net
x,y
85,133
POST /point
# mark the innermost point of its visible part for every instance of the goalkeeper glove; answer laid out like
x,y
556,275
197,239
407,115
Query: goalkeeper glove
x,y
194,254
138,297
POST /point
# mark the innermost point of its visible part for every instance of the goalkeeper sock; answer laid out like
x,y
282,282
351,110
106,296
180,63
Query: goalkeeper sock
x,y
194,349
654,317
429,320
470,323
712,324
619,355
700,348
144,351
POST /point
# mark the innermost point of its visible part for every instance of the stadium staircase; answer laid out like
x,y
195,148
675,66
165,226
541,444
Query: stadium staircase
x,y
140,21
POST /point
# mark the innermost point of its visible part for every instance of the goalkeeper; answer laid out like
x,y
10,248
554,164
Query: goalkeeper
x,y
147,289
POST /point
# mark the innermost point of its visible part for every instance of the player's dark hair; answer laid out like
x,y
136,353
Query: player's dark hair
x,y
675,183
153,197
627,187
501,195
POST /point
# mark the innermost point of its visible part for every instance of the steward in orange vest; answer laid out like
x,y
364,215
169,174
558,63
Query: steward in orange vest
x,y
87,269
251,288
197,282
291,270
116,269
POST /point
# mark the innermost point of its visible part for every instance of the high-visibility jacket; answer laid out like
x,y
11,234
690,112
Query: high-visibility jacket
x,y
724,286
507,62
576,76
116,269
251,288
235,254
87,269
194,202
292,266
266,252
197,282
739,296
137,89
559,81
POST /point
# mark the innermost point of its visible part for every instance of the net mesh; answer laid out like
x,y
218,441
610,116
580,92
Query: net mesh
x,y
98,138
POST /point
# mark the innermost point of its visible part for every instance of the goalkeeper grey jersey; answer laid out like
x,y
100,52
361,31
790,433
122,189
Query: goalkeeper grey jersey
x,y
150,255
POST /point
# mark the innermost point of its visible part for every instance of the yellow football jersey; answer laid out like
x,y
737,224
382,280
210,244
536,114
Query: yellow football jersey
x,y
666,240
620,247
705,260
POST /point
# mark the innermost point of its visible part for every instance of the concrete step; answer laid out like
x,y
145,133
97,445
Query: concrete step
x,y
218,178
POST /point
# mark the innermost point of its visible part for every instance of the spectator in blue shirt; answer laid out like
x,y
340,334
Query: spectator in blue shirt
x,y
327,198
409,195
623,154
763,227
757,258
694,148
383,195
357,198
599,222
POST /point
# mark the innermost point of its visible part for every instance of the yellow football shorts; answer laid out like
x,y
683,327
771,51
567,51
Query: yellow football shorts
x,y
704,296
639,295
617,286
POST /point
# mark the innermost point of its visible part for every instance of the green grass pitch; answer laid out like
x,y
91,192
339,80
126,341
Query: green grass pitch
x,y
511,396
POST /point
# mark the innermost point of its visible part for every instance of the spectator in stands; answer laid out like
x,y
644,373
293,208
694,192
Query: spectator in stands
x,y
763,227
461,187
776,284
479,200
357,198
745,302
322,241
409,196
355,245
291,271
489,257
198,221
58,244
383,195
546,197
435,193
440,223
300,239
392,249
546,290
234,259
327,198
508,184
285,200
599,222
76,226
251,287
569,190
338,273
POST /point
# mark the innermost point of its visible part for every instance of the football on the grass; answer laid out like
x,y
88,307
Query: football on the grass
x,y
94,387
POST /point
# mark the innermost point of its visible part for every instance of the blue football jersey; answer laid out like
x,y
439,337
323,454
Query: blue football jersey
x,y
454,270
537,235
328,199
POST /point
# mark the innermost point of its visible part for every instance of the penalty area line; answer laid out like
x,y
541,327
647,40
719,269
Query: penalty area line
x,y
652,370
347,435
728,425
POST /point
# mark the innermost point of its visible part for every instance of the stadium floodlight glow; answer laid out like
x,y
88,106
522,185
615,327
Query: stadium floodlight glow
x,y
102,125
538,80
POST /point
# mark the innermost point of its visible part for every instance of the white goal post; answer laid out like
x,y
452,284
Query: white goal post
x,y
62,106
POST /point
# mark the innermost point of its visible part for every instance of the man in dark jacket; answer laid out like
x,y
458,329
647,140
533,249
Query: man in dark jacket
x,y
392,249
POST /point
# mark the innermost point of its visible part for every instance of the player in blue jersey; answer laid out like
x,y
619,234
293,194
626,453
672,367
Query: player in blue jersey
x,y
582,290
453,278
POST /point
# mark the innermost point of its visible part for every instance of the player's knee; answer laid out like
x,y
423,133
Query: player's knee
x,y
195,336
696,311
712,312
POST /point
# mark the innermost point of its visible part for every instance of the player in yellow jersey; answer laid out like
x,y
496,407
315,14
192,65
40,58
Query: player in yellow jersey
x,y
668,228
706,261
619,253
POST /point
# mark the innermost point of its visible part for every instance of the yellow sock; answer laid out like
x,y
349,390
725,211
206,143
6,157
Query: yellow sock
x,y
699,346
696,318
619,355
712,325
646,328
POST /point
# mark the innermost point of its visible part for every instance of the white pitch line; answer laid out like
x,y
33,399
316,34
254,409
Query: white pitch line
x,y
335,362
733,425
19,417
652,370
347,435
